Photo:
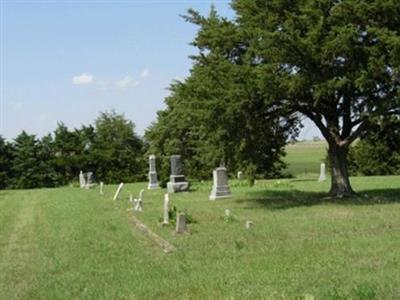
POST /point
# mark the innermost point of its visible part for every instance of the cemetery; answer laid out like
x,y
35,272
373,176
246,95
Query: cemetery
x,y
279,239
264,166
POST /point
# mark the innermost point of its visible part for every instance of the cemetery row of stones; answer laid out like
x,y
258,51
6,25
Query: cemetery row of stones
x,y
177,183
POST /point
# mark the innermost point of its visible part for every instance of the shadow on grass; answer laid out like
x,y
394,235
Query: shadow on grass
x,y
294,198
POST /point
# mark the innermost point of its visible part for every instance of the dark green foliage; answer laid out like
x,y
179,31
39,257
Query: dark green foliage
x,y
110,150
31,165
116,151
6,154
218,115
335,62
69,151
377,153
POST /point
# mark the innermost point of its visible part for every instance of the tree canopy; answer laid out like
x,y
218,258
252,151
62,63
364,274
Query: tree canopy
x,y
110,149
334,62
214,116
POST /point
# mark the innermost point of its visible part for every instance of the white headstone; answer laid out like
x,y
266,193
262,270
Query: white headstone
x,y
101,188
227,212
166,208
249,224
239,175
153,184
89,180
138,204
220,187
118,191
181,223
82,181
322,175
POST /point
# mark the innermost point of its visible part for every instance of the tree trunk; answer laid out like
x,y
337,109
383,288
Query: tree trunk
x,y
340,182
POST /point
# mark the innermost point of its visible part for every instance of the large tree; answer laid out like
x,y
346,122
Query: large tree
x,y
116,152
214,116
337,62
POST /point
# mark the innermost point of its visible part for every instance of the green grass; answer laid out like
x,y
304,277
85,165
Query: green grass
x,y
69,243
304,158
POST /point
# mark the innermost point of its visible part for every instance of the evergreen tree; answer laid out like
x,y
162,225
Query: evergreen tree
x,y
116,152
335,62
45,157
26,166
378,152
6,157
214,116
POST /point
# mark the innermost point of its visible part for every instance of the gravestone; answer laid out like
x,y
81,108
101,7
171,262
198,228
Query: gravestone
x,y
166,210
101,188
177,181
82,181
89,180
153,184
181,223
139,202
249,224
220,187
240,175
118,191
322,175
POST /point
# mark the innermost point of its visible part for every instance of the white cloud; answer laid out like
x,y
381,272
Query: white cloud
x,y
145,73
82,79
119,84
126,82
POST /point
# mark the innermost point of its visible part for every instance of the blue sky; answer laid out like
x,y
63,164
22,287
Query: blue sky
x,y
69,60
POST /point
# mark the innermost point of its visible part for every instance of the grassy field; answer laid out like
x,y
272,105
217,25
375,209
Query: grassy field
x,y
304,158
68,243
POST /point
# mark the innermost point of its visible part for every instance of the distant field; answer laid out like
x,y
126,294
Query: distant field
x,y
69,243
304,158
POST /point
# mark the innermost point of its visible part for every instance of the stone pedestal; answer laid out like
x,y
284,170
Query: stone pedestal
x,y
177,181
153,183
220,187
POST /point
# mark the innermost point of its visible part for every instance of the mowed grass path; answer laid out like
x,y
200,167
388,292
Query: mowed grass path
x,y
68,243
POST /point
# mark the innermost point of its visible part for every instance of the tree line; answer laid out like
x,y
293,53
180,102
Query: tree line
x,y
114,153
109,148
253,79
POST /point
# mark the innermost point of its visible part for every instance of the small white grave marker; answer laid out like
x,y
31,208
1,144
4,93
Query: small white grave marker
x,y
139,202
101,188
118,191
166,206
181,223
249,224
322,175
